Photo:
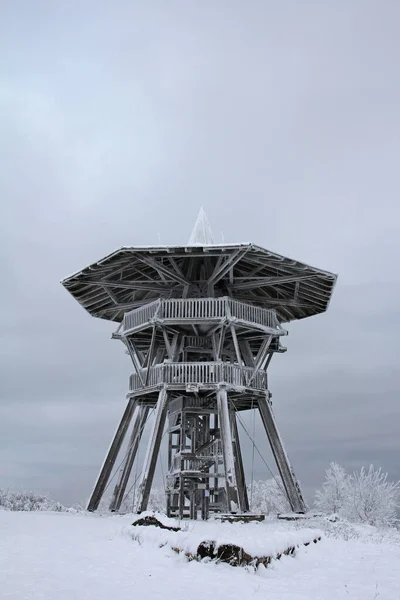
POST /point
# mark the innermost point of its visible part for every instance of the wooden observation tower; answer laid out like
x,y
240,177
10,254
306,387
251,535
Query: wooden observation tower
x,y
201,323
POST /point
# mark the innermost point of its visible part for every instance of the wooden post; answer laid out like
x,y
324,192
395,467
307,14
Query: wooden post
x,y
139,423
285,470
111,457
153,448
240,478
227,448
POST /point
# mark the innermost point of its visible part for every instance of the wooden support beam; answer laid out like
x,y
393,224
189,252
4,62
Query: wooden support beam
x,y
152,286
262,357
111,457
176,346
139,422
237,351
264,346
162,269
167,343
221,342
139,353
270,355
150,355
214,343
247,353
227,449
221,270
159,356
111,294
176,267
286,472
251,284
152,452
134,358
240,478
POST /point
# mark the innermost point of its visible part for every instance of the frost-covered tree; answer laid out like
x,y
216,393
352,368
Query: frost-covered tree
x,y
373,498
333,496
268,497
28,501
363,497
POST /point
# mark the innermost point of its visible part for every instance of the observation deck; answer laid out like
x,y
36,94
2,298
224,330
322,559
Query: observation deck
x,y
196,376
197,311
231,322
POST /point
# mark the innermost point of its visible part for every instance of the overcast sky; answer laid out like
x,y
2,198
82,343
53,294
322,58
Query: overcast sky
x,y
117,121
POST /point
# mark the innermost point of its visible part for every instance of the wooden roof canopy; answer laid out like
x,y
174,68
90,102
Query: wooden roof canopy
x,y
135,275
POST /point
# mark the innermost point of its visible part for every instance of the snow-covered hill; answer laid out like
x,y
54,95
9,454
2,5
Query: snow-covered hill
x,y
62,556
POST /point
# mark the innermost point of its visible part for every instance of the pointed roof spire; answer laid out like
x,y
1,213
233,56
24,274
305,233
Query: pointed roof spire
x,y
201,233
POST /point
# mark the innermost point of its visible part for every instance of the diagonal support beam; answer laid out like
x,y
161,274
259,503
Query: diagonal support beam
x,y
268,281
139,423
162,269
111,295
136,285
286,472
237,351
240,478
221,343
262,357
153,448
214,341
150,355
135,360
221,270
176,267
247,353
227,449
168,344
139,354
111,457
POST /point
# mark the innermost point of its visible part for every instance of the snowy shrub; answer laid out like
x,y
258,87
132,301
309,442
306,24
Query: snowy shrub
x,y
373,499
268,497
364,497
27,501
335,491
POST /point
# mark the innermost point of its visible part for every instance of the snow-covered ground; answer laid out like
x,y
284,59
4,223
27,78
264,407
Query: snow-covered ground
x,y
62,556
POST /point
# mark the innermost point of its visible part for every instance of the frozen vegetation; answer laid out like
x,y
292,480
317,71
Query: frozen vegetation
x,y
28,501
363,497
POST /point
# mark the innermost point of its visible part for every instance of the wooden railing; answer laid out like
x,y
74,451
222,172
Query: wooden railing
x,y
193,308
141,315
182,463
254,314
198,373
200,309
212,450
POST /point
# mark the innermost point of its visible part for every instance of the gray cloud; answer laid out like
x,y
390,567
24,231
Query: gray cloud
x,y
116,123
